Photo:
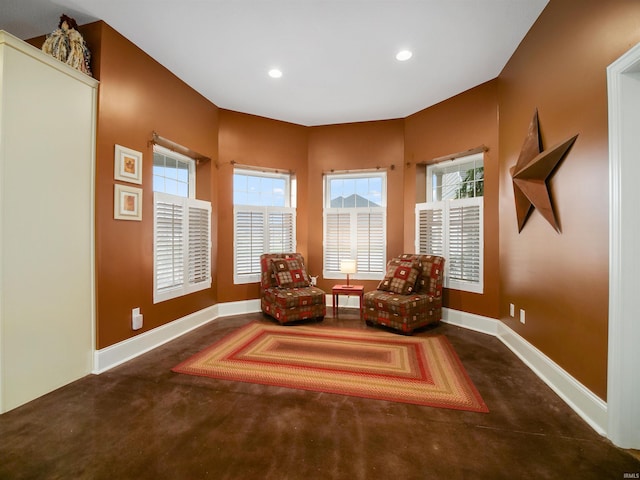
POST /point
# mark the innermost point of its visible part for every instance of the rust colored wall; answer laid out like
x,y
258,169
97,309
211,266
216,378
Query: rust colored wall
x,y
259,142
561,280
136,97
356,146
463,122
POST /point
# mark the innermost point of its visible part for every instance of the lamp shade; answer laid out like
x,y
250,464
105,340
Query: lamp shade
x,y
348,266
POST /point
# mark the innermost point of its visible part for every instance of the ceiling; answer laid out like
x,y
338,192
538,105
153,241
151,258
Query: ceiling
x,y
337,56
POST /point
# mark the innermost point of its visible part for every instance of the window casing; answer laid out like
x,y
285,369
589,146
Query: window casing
x,y
355,224
264,219
182,229
173,173
451,222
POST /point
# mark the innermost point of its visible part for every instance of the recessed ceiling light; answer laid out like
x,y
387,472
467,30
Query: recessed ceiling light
x,y
403,55
275,73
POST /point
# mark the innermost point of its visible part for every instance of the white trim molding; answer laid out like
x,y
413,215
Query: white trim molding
x,y
470,321
623,382
114,355
585,403
344,301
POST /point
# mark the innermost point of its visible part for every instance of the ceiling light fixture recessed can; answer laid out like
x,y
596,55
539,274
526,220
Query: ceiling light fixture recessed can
x,y
275,73
404,55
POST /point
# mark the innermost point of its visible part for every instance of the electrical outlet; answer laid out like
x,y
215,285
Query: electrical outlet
x,y
522,316
136,319
512,310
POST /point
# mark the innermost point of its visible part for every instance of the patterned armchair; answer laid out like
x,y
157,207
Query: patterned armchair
x,y
409,296
286,293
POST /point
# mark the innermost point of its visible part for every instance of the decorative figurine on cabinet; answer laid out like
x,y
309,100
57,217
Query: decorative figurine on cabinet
x,y
67,45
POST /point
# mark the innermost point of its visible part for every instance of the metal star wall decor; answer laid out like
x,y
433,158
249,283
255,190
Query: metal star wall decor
x,y
531,173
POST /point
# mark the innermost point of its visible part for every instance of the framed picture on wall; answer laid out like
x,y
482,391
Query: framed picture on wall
x,y
127,165
127,203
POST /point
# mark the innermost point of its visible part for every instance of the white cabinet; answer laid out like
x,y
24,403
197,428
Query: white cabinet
x,y
47,157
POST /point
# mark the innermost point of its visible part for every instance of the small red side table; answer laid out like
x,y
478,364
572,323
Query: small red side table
x,y
349,290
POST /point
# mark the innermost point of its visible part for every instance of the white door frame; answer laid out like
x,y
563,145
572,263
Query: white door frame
x,y
623,379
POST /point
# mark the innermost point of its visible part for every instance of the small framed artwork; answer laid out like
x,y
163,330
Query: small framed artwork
x,y
127,165
127,203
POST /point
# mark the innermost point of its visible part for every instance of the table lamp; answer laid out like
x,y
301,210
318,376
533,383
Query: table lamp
x,y
348,266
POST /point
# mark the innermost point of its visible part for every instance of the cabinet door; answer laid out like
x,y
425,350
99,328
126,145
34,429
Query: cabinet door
x,y
46,170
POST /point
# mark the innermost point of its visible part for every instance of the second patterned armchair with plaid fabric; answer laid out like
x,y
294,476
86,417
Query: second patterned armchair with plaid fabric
x,y
286,293
409,296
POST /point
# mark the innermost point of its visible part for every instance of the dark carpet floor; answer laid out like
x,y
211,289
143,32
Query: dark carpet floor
x,y
141,421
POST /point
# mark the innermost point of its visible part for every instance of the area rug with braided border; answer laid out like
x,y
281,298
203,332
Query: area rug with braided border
x,y
421,370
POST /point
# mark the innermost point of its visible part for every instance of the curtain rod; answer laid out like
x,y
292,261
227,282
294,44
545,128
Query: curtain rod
x,y
453,156
358,170
176,147
235,164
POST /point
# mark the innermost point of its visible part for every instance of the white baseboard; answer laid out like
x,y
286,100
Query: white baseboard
x,y
344,301
585,403
470,321
238,308
109,357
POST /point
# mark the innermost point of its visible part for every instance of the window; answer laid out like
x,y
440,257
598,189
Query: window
x,y
182,228
264,219
450,223
355,217
173,173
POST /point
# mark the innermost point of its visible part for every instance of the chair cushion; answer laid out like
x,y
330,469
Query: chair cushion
x,y
294,297
401,276
403,305
290,273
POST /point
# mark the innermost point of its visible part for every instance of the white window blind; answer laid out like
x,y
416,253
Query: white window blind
x,y
454,229
356,233
182,246
199,245
465,242
282,232
337,241
249,241
169,244
259,230
371,242
430,229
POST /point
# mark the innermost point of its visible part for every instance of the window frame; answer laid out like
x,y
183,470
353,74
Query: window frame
x,y
241,277
446,209
467,159
353,240
189,256
181,158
